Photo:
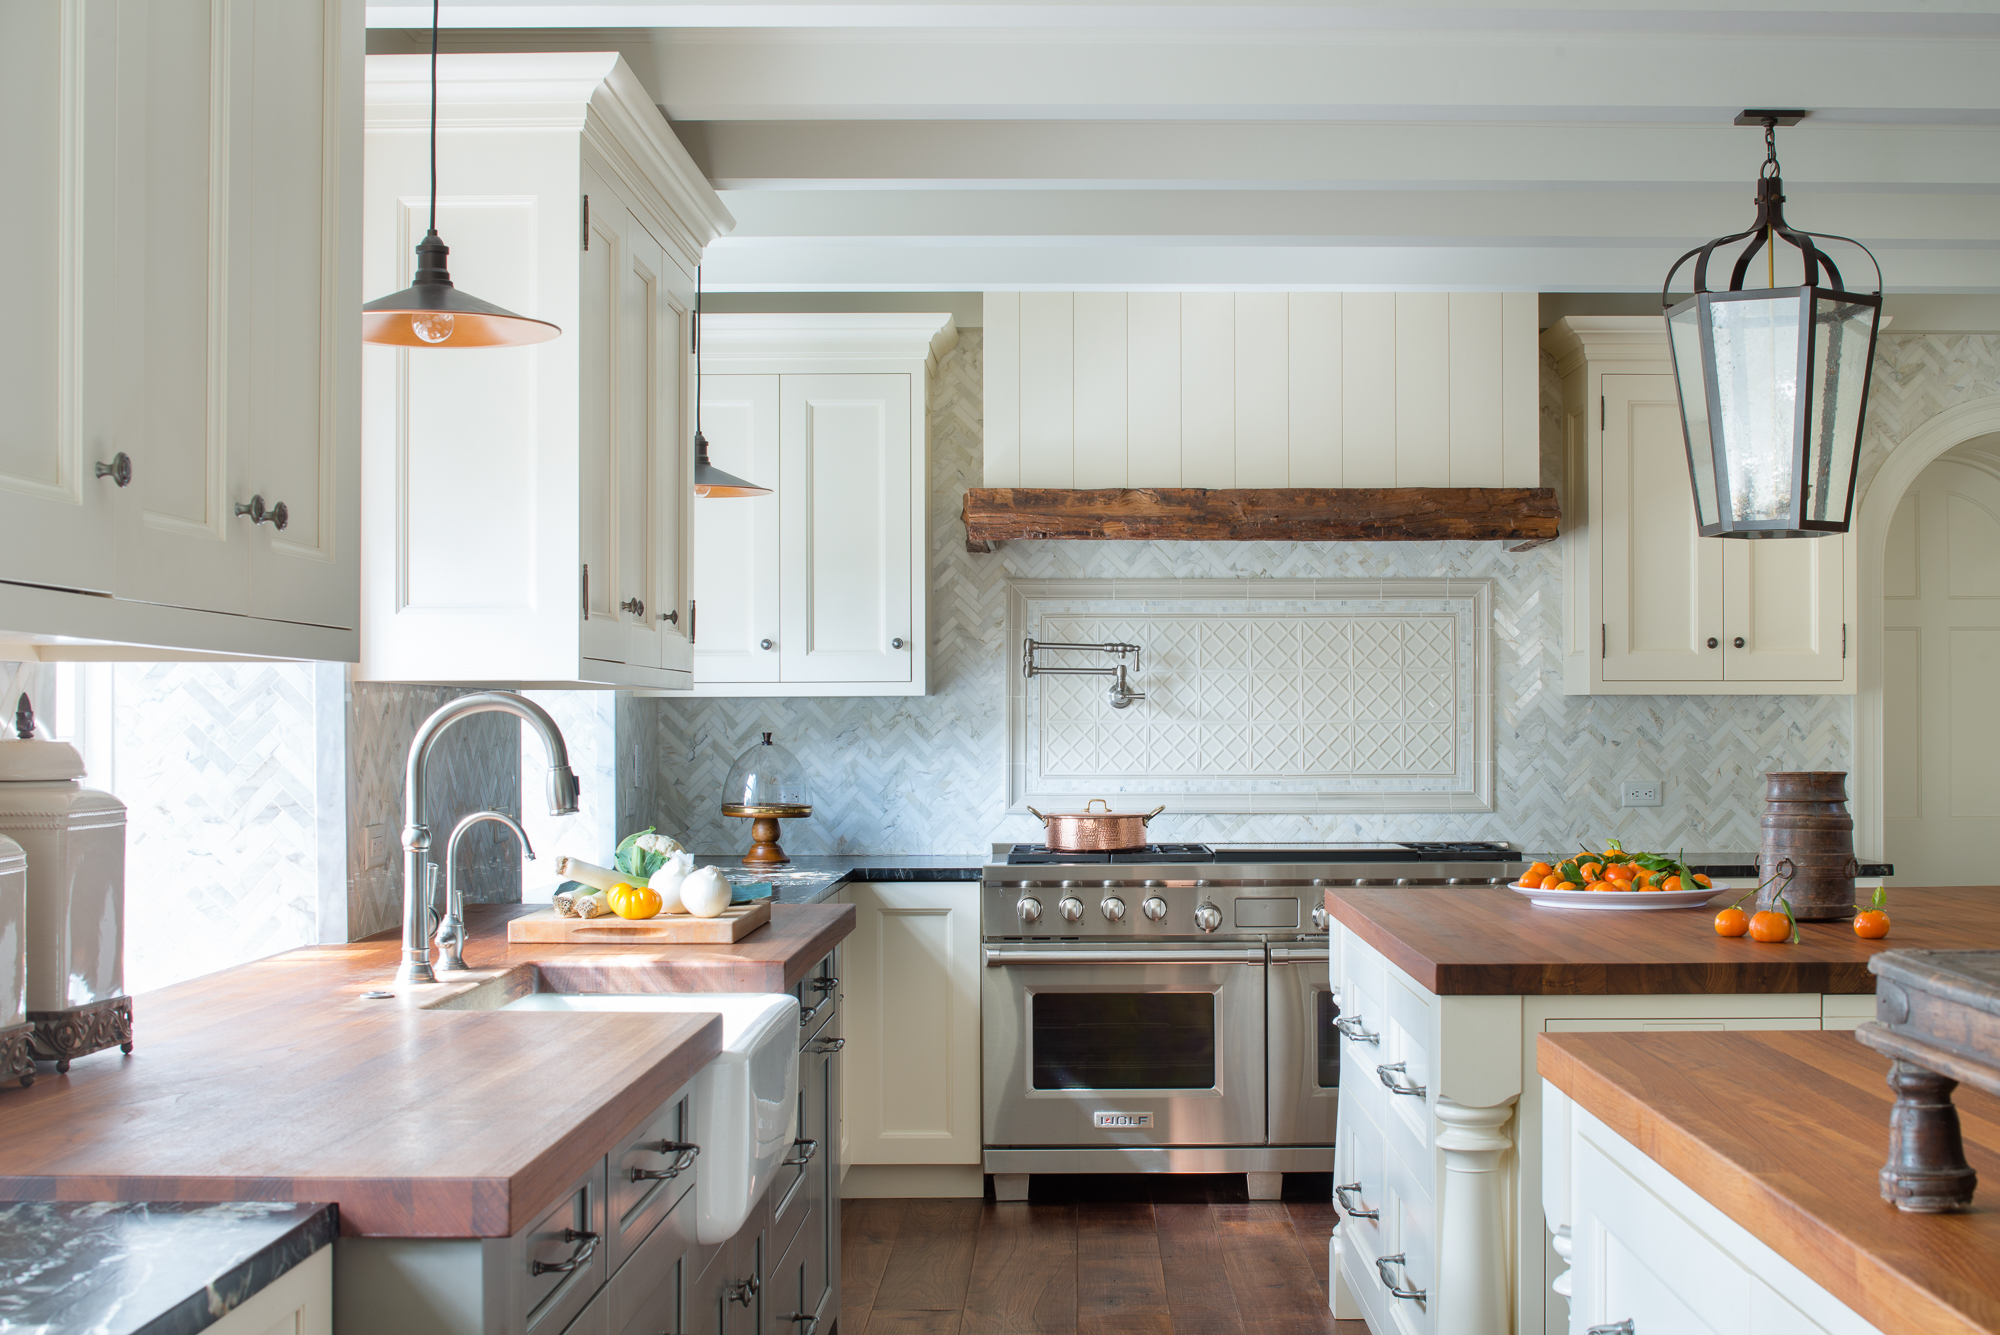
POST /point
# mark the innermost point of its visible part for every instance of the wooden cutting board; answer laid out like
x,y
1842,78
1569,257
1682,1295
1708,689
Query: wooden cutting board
x,y
733,924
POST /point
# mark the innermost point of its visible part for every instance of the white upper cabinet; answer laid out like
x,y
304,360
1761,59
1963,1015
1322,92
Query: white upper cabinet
x,y
1261,389
181,224
1650,606
819,588
528,508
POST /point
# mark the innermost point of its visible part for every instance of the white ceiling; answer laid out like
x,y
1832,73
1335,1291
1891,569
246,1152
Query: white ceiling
x,y
1573,147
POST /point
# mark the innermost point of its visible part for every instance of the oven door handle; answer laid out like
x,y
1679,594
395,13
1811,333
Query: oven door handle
x,y
995,958
1300,955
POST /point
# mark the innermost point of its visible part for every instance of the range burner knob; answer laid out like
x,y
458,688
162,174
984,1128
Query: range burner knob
x,y
1207,916
1154,908
1029,908
1319,918
1113,908
1071,908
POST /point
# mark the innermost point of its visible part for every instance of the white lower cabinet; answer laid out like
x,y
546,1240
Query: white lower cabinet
x,y
1649,1251
911,998
821,587
1443,1135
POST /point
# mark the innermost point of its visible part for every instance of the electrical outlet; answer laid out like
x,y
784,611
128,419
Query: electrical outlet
x,y
1640,793
378,845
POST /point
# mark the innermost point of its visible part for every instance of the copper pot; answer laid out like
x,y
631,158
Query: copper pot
x,y
1088,831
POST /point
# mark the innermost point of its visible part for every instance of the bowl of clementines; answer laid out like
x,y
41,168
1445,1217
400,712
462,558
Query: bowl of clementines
x,y
1616,879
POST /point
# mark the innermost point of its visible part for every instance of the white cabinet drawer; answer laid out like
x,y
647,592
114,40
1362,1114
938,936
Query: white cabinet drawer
x,y
1360,1181
1414,1225
1637,1258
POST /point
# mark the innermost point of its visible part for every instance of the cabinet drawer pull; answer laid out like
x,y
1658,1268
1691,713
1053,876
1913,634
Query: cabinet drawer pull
x,y
1340,1194
744,1290
1737,642
1350,1027
277,516
1624,1327
806,1016
811,1321
825,984
688,1154
1712,642
119,470
636,606
764,644
896,643
807,1149
1382,1264
828,1044
1396,1076
580,1257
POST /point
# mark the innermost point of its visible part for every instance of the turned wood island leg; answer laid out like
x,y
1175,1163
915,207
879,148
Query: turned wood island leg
x,y
1473,1256
1927,1172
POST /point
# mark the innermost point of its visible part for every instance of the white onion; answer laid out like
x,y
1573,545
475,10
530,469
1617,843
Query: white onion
x,y
705,892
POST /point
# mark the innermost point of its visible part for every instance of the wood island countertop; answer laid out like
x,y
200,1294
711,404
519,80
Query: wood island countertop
x,y
426,1114
1490,941
1784,1132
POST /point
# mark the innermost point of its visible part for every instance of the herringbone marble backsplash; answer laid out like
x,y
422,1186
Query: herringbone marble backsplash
x,y
924,775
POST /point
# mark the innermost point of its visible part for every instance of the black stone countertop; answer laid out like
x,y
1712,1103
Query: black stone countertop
x,y
139,1268
808,880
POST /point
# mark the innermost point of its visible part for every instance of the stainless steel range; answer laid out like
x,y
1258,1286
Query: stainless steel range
x,y
1167,1009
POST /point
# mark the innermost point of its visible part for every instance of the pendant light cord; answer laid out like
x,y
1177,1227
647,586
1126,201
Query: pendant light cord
x,y
434,114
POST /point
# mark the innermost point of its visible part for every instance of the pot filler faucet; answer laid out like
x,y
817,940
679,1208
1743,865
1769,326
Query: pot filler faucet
x,y
416,964
1119,694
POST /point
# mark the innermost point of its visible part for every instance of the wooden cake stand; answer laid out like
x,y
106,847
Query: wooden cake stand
x,y
764,850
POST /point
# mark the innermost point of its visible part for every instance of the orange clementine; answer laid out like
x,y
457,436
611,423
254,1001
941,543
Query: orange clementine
x,y
1702,881
1620,871
1671,883
1872,924
1732,922
1769,927
1537,871
1591,870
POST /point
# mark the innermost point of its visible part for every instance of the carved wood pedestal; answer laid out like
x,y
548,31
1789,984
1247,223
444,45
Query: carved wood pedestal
x,y
64,1035
17,1057
1937,1015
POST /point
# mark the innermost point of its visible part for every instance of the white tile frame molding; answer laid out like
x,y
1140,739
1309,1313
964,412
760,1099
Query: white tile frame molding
x,y
1264,696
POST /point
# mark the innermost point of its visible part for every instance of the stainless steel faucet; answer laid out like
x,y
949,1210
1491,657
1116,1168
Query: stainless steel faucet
x,y
562,790
450,936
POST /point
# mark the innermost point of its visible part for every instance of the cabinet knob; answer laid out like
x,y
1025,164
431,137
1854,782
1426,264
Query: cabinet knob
x,y
672,618
636,606
1712,641
763,644
119,470
896,643
1738,642
277,516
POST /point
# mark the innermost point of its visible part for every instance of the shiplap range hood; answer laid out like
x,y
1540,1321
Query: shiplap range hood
x,y
1220,416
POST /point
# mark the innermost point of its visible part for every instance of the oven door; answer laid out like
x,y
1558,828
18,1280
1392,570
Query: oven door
x,y
1305,1047
1123,1047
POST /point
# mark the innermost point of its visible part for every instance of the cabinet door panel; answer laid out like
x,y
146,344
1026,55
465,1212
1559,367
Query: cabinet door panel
x,y
844,475
57,516
284,177
637,437
1662,580
1783,599
673,465
599,329
183,113
735,538
912,999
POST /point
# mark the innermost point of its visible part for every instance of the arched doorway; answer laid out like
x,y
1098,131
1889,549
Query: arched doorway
x,y
1941,671
1876,514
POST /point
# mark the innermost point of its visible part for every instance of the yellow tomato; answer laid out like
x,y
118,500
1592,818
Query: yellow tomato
x,y
633,901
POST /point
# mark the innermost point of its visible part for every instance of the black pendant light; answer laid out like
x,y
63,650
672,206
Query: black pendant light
x,y
431,313
1773,380
709,480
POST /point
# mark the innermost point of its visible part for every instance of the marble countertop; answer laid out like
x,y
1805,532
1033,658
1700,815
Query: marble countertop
x,y
147,1268
810,879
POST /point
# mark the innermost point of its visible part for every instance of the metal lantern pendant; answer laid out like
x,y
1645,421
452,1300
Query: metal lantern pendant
x,y
1773,381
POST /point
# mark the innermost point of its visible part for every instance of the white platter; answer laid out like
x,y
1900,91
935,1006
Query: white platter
x,y
1628,901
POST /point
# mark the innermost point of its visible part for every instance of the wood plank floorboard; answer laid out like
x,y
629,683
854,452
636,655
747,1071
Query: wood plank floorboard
x,y
1130,1265
930,1265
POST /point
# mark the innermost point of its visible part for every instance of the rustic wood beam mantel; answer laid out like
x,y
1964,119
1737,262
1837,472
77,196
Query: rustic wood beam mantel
x,y
1524,517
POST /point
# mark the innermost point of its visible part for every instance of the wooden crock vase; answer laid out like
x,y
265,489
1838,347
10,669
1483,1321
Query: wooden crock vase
x,y
1806,823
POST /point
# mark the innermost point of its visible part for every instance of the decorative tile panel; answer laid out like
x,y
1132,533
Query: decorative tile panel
x,y
1277,695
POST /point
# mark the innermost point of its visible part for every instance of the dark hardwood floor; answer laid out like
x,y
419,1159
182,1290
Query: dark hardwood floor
x,y
1091,1256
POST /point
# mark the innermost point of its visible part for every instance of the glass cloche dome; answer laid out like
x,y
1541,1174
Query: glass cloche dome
x,y
766,780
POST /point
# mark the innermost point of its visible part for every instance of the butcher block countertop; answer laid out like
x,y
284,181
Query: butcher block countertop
x,y
1490,941
429,1113
1784,1132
